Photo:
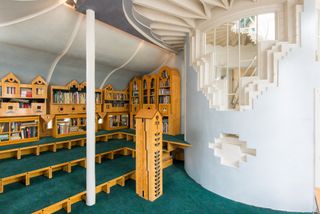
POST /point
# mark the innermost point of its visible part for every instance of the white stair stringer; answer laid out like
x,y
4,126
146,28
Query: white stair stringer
x,y
252,87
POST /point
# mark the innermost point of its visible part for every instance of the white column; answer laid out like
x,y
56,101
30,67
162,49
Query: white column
x,y
90,77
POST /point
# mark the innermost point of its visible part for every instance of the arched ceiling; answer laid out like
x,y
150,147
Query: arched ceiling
x,y
47,37
170,21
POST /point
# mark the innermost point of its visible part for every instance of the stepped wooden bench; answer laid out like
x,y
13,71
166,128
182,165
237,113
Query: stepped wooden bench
x,y
67,203
66,166
81,141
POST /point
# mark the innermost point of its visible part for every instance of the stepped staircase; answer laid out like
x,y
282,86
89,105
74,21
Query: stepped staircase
x,y
250,87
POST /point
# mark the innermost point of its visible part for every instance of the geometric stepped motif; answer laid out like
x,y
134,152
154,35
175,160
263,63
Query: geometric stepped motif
x,y
231,150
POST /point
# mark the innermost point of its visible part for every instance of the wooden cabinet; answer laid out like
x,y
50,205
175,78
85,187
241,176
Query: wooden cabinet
x,y
71,99
150,98
116,100
169,99
17,99
116,120
14,130
135,94
116,107
70,125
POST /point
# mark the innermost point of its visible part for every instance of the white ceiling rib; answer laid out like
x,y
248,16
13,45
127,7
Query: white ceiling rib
x,y
57,39
174,19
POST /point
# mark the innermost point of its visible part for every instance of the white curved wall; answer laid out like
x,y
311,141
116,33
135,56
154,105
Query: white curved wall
x,y
281,128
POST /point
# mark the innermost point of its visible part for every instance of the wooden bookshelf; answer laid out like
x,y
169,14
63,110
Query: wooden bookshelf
x,y
116,120
14,130
149,95
70,125
116,100
71,99
17,99
169,99
135,96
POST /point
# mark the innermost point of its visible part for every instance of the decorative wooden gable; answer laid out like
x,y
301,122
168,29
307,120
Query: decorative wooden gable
x,y
10,78
38,81
108,87
73,84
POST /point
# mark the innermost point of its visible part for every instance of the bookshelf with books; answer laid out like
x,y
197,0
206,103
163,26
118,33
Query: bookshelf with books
x,y
70,125
135,95
71,99
116,120
150,99
17,99
116,107
14,130
115,100
169,99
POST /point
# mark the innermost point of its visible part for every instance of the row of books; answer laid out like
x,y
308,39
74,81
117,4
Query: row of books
x,y
118,120
4,127
135,87
29,132
61,97
164,91
117,96
135,93
119,104
165,83
17,126
26,92
11,90
164,99
39,91
135,100
4,137
165,125
65,128
26,132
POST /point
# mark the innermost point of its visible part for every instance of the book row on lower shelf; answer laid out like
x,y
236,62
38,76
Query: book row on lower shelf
x,y
19,129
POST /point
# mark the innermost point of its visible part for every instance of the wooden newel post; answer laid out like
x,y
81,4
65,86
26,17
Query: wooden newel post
x,y
149,154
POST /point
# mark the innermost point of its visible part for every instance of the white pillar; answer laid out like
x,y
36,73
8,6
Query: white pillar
x,y
90,77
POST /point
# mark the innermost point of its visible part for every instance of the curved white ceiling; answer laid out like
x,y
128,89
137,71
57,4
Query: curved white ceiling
x,y
32,46
173,20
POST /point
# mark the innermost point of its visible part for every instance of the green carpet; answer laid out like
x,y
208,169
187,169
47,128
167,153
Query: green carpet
x,y
44,192
28,163
181,195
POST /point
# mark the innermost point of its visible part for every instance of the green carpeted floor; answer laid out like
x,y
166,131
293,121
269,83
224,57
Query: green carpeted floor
x,y
28,163
181,195
43,192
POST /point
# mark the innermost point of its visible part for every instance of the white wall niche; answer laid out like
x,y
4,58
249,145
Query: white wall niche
x,y
231,150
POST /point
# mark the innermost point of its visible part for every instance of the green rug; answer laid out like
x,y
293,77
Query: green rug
x,y
44,192
181,195
28,163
